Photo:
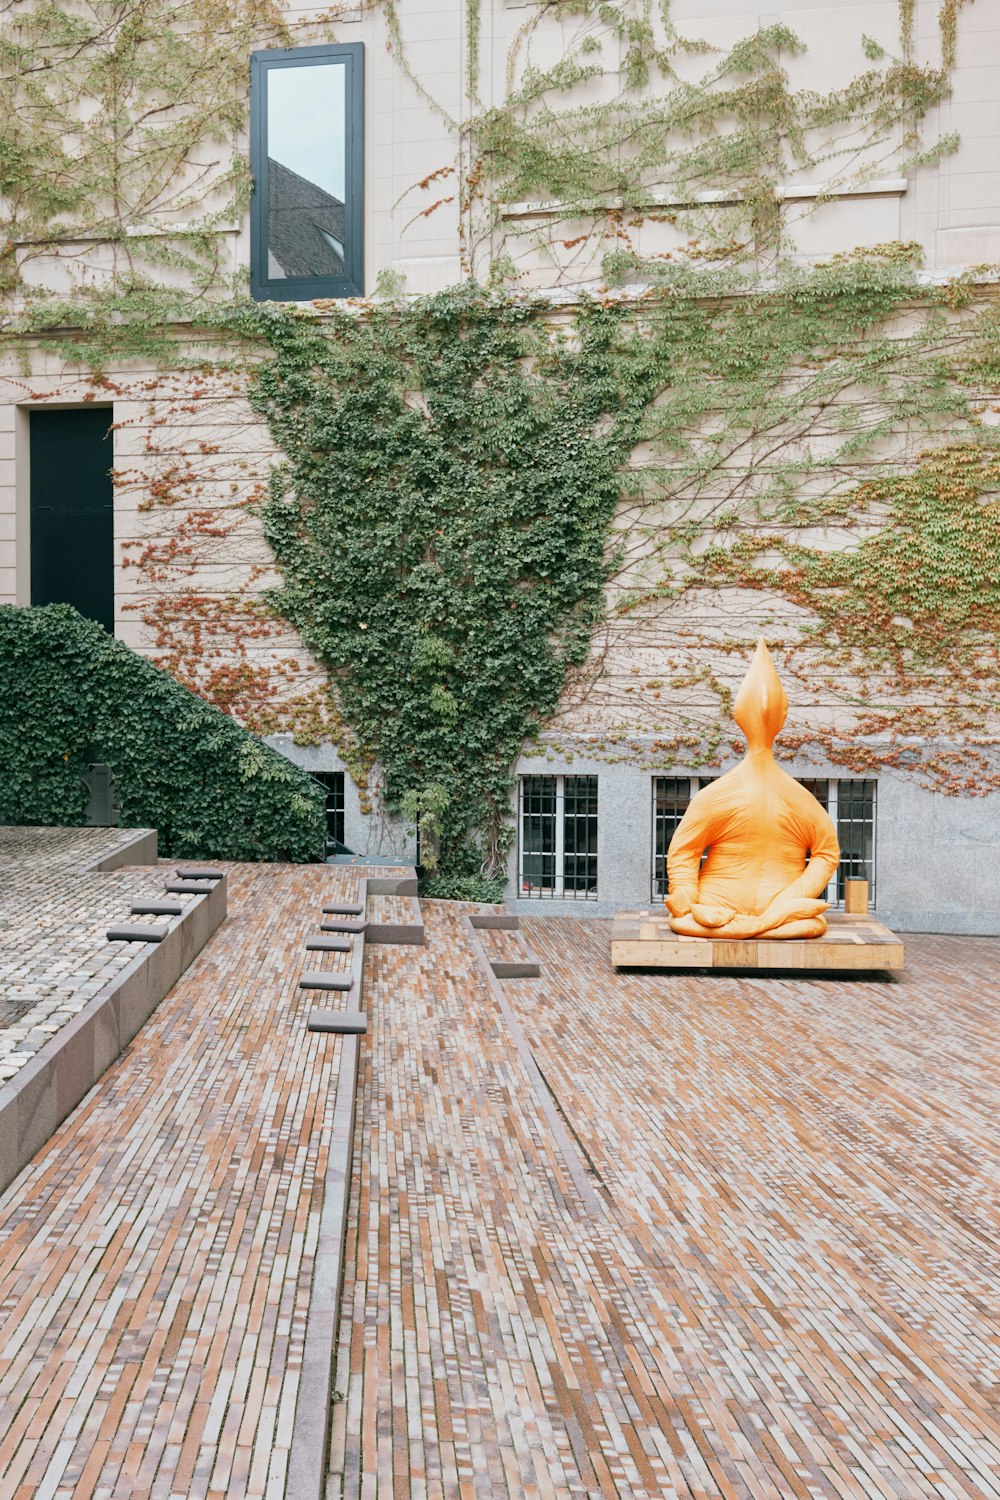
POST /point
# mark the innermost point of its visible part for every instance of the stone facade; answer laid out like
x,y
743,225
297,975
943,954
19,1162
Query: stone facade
x,y
190,457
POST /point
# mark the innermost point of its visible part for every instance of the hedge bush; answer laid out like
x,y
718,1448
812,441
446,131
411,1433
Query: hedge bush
x,y
71,695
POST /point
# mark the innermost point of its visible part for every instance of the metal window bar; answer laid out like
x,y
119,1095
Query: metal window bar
x,y
332,783
851,805
558,828
855,820
671,797
580,836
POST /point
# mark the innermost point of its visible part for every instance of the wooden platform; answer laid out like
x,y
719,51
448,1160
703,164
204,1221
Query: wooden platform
x,y
643,939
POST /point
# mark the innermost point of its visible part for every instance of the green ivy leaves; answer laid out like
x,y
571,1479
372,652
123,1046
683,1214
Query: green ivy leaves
x,y
441,523
73,695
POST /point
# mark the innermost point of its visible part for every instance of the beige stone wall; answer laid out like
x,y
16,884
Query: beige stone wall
x,y
191,563
413,117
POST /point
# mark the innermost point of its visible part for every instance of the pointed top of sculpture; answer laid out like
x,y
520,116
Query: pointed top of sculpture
x,y
761,703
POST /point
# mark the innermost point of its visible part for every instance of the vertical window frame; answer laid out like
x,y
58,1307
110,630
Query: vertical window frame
x,y
333,784
858,792
307,288
583,812
658,867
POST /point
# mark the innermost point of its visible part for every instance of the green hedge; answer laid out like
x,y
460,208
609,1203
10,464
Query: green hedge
x,y
71,695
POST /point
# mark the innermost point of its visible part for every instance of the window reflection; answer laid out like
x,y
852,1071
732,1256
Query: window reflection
x,y
307,167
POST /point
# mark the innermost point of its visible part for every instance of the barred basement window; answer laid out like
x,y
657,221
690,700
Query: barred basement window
x,y
671,796
332,783
307,163
558,824
851,805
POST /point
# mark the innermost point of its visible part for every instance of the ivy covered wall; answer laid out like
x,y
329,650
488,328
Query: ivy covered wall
x,y
502,517
73,696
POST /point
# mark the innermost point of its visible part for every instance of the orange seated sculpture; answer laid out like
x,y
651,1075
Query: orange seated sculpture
x,y
771,848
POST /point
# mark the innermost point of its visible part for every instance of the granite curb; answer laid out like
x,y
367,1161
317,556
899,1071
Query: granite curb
x,y
307,1459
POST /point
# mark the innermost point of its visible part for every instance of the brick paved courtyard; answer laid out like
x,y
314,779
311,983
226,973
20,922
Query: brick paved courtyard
x,y
764,1262
156,1258
782,1283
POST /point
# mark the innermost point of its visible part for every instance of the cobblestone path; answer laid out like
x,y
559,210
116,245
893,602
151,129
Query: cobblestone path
x,y
784,1282
156,1257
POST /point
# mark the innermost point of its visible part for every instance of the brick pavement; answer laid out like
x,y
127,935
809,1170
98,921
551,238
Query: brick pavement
x,y
156,1257
782,1284
775,1277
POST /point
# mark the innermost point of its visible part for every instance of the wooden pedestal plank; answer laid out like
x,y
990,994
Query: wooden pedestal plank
x,y
644,939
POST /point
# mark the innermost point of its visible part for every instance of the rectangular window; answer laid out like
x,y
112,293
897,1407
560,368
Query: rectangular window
x,y
851,805
332,783
854,816
307,164
558,823
71,453
671,796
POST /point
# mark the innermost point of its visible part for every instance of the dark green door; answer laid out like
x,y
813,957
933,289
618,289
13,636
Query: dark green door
x,y
72,511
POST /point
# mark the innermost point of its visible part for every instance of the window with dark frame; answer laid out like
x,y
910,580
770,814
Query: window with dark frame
x,y
851,805
307,165
671,796
855,820
332,783
71,456
558,837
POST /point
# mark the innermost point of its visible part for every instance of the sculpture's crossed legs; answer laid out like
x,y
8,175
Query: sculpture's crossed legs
x,y
785,917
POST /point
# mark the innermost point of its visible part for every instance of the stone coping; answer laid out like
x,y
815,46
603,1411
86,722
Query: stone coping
x,y
311,1428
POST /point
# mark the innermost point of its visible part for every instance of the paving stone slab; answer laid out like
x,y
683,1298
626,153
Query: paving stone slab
x,y
166,1240
339,1022
323,979
515,968
781,1282
136,932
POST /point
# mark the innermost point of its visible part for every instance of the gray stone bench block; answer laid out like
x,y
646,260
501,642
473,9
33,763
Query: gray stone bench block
x,y
157,909
329,945
515,968
340,1022
326,979
343,924
190,887
136,932
344,909
192,872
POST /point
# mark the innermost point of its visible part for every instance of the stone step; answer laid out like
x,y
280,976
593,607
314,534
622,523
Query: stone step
x,y
339,1022
326,979
136,932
